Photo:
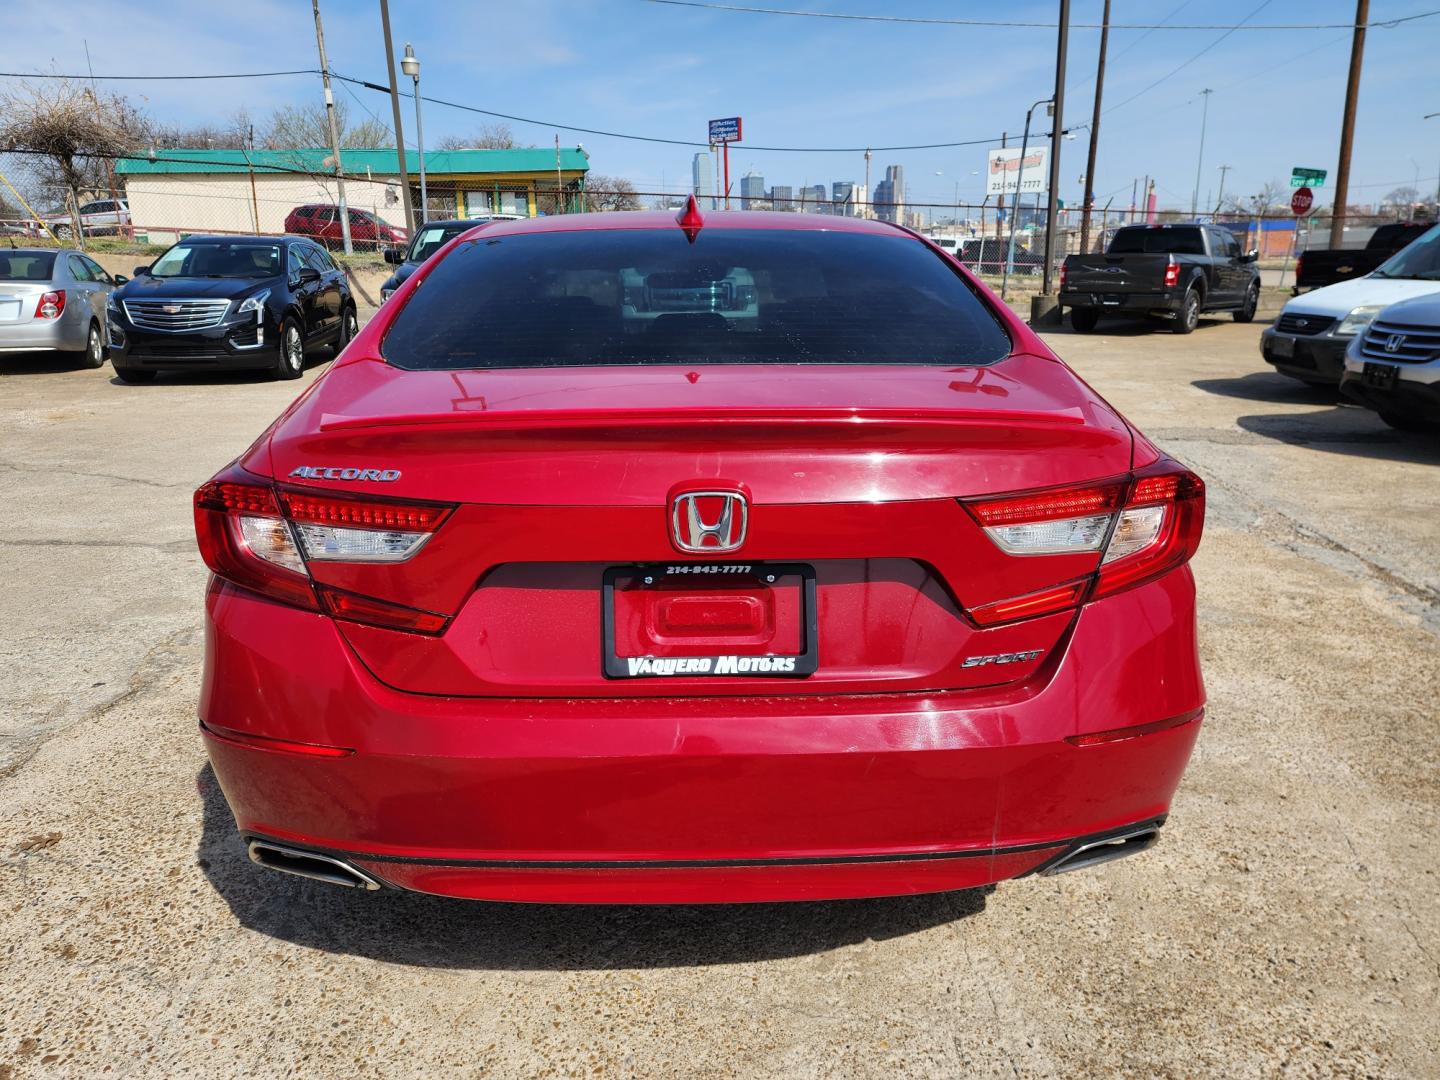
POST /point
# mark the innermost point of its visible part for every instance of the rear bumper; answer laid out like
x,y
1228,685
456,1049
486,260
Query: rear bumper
x,y
44,335
1319,359
697,800
1128,303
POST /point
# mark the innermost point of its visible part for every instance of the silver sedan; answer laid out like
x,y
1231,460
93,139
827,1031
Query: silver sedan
x,y
54,301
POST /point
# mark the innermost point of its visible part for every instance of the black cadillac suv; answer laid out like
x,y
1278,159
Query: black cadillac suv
x,y
230,303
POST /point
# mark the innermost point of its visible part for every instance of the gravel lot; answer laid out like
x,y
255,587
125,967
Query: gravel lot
x,y
1288,922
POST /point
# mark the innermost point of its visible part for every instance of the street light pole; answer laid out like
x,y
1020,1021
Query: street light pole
x,y
1431,116
1015,210
410,64
1204,116
1220,199
395,111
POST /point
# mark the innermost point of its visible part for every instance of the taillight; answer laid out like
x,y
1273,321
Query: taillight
x,y
51,305
1062,275
1142,525
261,540
1299,266
1172,275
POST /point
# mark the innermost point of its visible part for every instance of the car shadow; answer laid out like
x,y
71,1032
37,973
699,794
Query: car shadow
x,y
1126,328
1345,429
1268,386
218,378
39,363
427,931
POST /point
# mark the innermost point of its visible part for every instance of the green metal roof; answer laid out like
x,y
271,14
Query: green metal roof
x,y
380,162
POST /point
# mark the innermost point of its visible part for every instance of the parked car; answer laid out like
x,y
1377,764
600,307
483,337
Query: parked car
x,y
1309,339
323,223
1178,272
429,238
1394,366
558,588
1318,267
97,218
230,303
54,301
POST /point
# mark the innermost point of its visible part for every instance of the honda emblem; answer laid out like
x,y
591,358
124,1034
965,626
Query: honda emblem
x,y
703,521
1394,342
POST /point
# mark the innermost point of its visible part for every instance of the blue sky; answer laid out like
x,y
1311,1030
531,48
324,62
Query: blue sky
x,y
631,66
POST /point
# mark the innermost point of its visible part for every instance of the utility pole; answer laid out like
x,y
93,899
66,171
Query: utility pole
x,y
1204,116
395,109
999,202
1045,307
334,134
869,195
1220,198
559,184
1094,131
1347,125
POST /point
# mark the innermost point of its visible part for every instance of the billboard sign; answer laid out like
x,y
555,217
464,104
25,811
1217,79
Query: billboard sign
x,y
1003,175
725,131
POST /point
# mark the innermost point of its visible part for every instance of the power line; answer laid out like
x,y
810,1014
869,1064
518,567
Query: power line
x,y
157,78
1175,71
667,141
737,8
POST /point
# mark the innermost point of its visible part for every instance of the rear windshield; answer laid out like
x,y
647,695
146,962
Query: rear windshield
x,y
733,296
1157,242
26,265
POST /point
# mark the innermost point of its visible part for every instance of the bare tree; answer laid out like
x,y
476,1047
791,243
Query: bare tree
x,y
495,136
74,132
1402,197
610,193
236,133
302,127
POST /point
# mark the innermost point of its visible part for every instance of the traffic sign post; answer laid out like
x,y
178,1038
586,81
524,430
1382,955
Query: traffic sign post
x,y
1301,201
725,132
1301,177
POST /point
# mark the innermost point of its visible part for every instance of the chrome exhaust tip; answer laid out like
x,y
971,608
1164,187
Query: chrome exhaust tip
x,y
1105,849
308,864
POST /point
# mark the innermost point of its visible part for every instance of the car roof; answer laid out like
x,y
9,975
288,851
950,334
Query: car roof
x,y
669,219
241,238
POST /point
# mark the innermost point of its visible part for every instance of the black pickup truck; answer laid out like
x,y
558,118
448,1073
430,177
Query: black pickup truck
x,y
1319,267
1176,272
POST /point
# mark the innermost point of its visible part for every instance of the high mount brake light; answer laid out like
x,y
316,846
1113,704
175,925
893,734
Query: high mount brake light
x,y
252,538
1143,525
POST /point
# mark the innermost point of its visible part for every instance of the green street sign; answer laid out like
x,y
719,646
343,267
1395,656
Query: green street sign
x,y
1303,177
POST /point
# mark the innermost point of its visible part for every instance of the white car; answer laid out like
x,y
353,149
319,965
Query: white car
x,y
97,218
1394,366
1310,337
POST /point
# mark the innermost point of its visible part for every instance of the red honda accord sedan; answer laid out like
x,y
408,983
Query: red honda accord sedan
x,y
642,558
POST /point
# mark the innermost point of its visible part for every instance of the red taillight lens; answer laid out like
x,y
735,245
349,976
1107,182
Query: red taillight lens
x,y
51,305
1172,275
321,510
1178,497
1062,275
1143,526
252,538
364,609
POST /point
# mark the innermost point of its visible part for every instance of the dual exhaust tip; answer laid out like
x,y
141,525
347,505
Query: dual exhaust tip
x,y
1105,849
308,864
317,867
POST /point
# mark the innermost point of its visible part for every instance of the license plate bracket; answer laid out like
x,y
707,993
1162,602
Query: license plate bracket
x,y
755,605
1379,376
1283,347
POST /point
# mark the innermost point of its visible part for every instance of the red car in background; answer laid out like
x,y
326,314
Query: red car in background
x,y
323,222
641,558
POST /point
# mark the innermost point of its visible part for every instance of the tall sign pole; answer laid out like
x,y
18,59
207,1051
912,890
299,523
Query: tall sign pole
x,y
334,134
1347,125
395,109
725,132
1057,125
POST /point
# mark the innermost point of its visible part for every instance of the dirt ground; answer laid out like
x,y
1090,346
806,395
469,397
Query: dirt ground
x,y
1287,924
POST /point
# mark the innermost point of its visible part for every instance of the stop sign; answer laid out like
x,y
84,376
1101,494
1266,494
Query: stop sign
x,y
1301,201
